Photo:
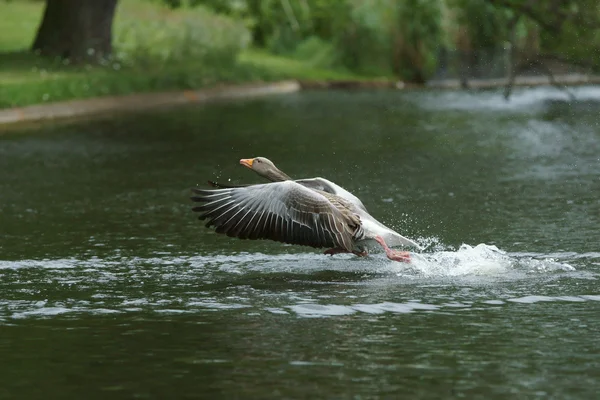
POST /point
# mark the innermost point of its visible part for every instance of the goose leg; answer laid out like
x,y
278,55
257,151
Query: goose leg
x,y
363,253
339,251
401,256
335,251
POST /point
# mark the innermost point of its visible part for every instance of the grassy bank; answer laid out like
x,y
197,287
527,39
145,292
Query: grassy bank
x,y
156,49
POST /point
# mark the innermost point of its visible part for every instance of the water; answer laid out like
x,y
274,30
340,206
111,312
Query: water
x,y
110,286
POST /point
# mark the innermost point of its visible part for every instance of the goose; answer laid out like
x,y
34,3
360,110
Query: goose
x,y
310,212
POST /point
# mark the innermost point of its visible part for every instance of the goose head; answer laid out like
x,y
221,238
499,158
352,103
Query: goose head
x,y
265,168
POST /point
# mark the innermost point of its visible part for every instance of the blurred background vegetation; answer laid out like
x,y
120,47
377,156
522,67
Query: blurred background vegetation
x,y
182,44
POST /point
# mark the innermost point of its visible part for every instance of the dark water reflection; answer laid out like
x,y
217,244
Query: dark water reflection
x,y
111,287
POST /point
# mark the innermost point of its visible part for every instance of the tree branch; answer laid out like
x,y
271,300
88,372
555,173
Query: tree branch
x,y
528,10
550,17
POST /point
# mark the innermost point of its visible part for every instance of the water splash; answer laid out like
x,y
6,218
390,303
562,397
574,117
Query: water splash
x,y
528,100
482,259
438,260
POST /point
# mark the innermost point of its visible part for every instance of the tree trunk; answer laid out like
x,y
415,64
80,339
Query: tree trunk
x,y
78,30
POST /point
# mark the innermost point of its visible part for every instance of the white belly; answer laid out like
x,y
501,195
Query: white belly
x,y
392,238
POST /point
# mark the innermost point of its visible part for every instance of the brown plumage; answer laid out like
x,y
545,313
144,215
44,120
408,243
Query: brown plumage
x,y
282,211
309,212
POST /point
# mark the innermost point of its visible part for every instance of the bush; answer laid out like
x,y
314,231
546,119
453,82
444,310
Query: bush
x,y
198,34
317,52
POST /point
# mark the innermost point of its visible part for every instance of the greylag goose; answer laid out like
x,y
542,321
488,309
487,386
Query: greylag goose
x,y
311,212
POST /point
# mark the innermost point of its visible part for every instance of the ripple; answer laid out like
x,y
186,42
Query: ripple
x,y
47,312
332,310
294,284
537,299
321,309
217,305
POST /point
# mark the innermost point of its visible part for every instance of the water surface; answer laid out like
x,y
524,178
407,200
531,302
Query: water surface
x,y
110,286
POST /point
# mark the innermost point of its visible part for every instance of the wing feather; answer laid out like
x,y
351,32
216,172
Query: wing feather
x,y
282,211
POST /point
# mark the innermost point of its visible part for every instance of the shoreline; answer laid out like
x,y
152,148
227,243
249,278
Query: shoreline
x,y
105,105
98,106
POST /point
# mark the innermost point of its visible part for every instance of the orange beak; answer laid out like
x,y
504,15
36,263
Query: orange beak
x,y
247,162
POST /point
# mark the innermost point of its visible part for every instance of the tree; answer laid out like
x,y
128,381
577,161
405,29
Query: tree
x,y
569,28
78,30
569,34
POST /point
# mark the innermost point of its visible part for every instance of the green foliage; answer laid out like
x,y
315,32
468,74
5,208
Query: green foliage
x,y
18,23
364,39
354,34
179,44
405,36
417,34
155,49
564,29
290,68
182,35
317,52
29,79
364,34
485,25
578,37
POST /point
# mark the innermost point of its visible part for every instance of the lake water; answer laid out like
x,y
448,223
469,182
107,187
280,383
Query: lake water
x,y
111,288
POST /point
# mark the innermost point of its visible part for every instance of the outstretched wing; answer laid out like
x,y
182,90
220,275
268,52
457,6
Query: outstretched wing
x,y
282,211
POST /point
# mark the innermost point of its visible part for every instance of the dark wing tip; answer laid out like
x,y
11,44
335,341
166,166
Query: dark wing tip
x,y
209,193
197,191
226,186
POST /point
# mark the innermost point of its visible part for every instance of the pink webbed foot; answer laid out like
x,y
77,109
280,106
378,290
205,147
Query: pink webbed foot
x,y
395,255
401,256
